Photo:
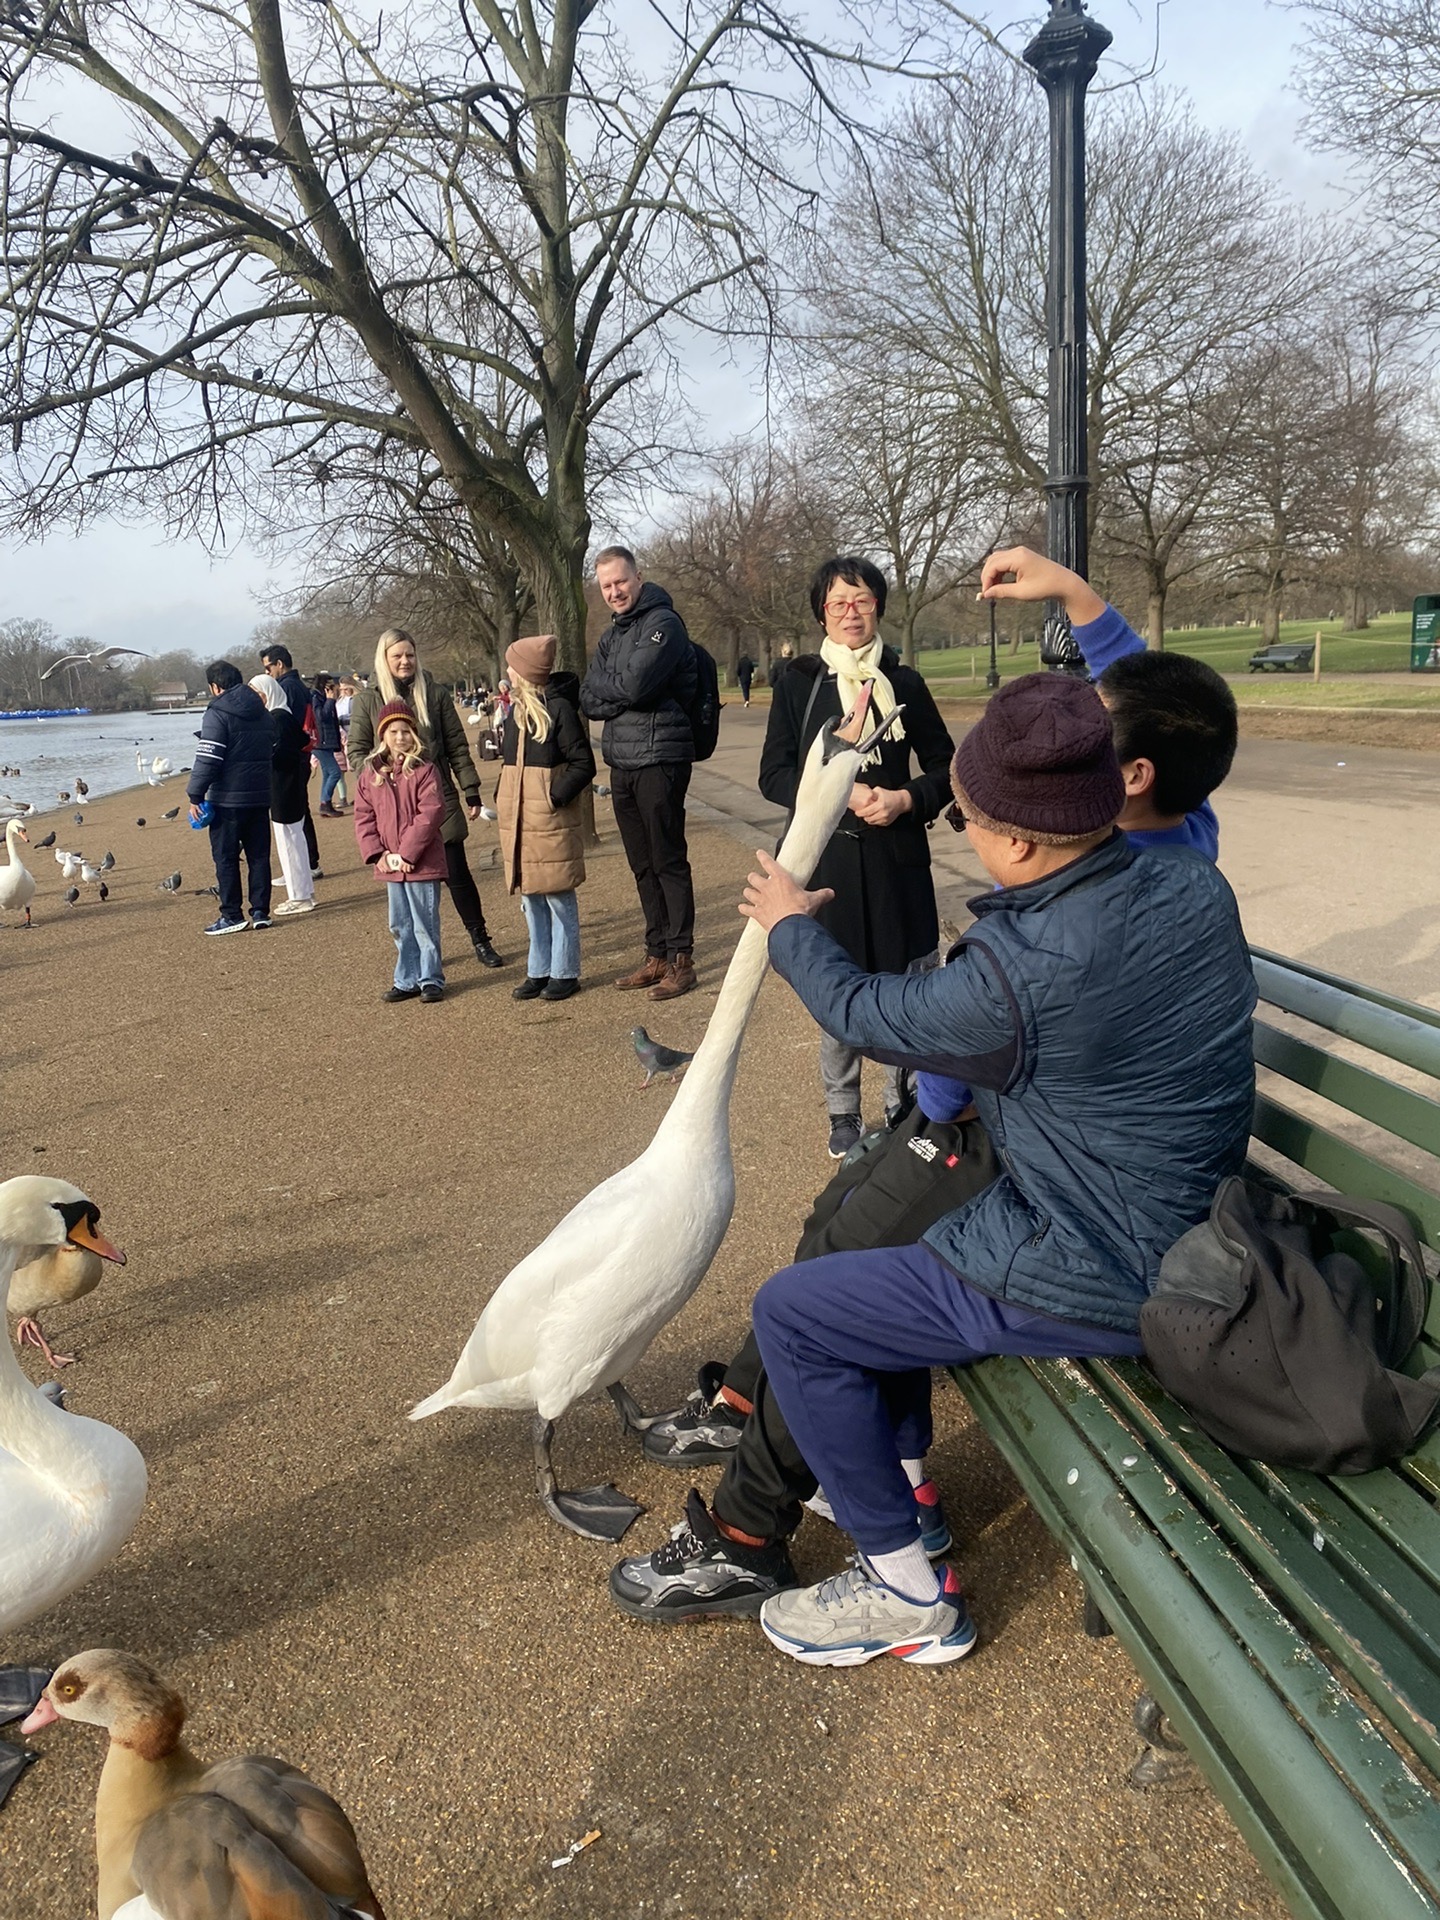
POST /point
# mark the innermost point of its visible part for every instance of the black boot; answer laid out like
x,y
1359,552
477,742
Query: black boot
x,y
486,954
531,987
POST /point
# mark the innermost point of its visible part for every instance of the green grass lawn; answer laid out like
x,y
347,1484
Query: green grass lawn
x,y
1382,652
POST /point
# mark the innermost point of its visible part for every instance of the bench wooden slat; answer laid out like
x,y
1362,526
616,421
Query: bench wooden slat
x,y
1371,1609
1370,1839
1409,1115
1399,1036
1337,1164
1411,1009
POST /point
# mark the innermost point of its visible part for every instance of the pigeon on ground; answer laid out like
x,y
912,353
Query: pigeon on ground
x,y
488,812
107,865
171,814
655,1058
72,896
603,792
104,891
78,818
48,841
139,823
172,885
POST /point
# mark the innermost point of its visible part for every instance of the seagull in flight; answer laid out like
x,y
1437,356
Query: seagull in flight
x,y
95,659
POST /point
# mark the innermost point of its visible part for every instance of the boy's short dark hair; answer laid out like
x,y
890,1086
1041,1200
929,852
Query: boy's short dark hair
x,y
617,553
855,572
1176,712
221,674
276,652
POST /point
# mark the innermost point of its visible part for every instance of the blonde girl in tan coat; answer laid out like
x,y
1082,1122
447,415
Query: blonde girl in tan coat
x,y
547,765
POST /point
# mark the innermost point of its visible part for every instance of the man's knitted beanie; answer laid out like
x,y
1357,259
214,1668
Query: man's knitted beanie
x,y
1041,758
533,658
392,711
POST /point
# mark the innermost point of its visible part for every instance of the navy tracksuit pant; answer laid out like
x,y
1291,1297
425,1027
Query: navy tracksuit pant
x,y
848,1342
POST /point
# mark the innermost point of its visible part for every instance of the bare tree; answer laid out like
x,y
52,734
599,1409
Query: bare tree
x,y
465,227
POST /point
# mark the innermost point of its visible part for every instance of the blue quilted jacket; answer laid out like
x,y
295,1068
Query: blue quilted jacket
x,y
1102,1015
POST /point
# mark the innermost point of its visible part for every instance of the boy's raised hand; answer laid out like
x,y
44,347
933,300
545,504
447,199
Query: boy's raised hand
x,y
1036,578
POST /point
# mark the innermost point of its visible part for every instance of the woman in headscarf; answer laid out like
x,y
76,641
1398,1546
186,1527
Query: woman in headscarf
x,y
399,676
878,860
289,776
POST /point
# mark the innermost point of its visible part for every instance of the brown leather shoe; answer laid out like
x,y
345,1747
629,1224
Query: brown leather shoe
x,y
679,978
646,975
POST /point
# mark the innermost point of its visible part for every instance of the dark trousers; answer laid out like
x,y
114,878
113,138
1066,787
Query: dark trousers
x,y
312,845
233,831
649,805
464,894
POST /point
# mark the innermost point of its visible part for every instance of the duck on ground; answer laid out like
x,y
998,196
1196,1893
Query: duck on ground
x,y
17,883
71,1489
580,1311
248,1838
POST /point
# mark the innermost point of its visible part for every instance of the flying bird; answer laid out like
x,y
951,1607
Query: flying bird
x,y
172,885
95,659
655,1058
107,865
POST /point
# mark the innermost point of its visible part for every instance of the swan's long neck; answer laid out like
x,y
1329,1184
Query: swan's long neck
x,y
820,806
46,1440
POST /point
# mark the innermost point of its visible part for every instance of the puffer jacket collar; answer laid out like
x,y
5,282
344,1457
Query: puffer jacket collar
x,y
650,599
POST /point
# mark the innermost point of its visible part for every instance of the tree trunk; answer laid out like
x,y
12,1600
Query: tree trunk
x,y
1357,619
907,638
1155,618
1270,620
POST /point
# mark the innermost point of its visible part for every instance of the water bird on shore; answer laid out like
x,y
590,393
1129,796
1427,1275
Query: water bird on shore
x,y
88,873
48,841
173,814
69,863
157,773
62,797
78,818
172,885
107,865
580,1311
72,895
81,788
15,809
655,1058
95,659
17,883
242,1839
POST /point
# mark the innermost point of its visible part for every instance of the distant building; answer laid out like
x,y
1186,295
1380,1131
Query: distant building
x,y
171,693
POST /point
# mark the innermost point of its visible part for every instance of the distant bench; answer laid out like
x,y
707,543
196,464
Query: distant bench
x,y
1284,658
1286,1627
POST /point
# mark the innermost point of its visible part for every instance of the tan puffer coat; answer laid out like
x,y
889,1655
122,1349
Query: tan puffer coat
x,y
538,801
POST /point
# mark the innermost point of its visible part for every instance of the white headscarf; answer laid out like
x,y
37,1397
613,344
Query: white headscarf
x,y
854,666
271,692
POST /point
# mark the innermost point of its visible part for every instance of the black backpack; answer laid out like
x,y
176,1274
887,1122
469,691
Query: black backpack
x,y
1281,1343
892,1188
704,710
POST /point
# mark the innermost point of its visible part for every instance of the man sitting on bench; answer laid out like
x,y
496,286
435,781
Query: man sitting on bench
x,y
1100,1007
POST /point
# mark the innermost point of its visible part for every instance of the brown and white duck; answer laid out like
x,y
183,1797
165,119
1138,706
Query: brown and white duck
x,y
249,1838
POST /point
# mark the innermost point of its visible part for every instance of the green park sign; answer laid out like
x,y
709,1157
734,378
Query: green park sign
x,y
1425,634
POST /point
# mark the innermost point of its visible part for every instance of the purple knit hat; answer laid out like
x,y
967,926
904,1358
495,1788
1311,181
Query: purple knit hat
x,y
1041,758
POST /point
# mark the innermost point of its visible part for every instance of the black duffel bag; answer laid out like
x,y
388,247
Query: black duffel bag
x,y
1283,1345
893,1187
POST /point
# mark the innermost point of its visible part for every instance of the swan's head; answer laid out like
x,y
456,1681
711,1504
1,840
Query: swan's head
x,y
108,1688
38,1214
14,831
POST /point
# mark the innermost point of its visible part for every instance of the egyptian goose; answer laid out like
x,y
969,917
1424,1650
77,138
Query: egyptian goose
x,y
250,1838
579,1312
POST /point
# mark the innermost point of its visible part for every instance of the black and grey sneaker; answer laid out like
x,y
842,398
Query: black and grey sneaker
x,y
699,1572
845,1132
704,1432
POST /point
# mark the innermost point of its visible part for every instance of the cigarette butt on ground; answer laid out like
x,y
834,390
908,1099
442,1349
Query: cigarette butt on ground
x,y
577,1847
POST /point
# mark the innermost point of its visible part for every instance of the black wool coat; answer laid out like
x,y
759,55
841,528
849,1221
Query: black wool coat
x,y
883,913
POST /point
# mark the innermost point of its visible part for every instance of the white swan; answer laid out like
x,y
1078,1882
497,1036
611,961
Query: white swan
x,y
71,1489
578,1312
17,883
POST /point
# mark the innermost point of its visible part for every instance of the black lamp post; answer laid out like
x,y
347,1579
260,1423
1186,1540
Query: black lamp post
x,y
1064,55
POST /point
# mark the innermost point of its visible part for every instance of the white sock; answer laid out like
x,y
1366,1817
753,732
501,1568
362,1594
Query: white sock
x,y
915,1472
908,1573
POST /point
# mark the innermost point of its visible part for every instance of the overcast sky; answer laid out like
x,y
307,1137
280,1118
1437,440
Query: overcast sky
x,y
133,586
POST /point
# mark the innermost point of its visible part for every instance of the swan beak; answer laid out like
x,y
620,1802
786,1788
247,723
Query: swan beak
x,y
82,1234
834,744
44,1715
22,833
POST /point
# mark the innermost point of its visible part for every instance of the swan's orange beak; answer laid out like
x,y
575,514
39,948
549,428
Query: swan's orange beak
x,y
83,1234
44,1715
22,833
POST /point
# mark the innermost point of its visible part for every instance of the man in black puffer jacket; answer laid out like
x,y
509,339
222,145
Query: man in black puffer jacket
x,y
642,684
232,773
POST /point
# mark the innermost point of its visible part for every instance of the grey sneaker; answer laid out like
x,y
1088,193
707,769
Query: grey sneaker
x,y
704,1432
852,1618
698,1572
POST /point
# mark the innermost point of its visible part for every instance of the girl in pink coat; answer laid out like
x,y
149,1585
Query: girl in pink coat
x,y
398,809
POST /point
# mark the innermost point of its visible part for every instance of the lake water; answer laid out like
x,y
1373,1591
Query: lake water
x,y
100,748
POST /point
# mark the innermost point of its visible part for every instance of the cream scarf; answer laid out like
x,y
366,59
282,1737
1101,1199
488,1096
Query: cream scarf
x,y
854,666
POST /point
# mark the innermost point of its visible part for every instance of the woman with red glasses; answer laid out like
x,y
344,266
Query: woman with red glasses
x,y
878,862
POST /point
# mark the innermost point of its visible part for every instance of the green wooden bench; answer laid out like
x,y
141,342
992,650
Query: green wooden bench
x,y
1286,1627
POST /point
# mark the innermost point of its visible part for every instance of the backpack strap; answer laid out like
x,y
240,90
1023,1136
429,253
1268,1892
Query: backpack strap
x,y
815,686
1395,1228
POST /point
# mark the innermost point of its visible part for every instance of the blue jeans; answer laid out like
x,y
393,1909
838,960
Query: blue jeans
x,y
330,775
554,923
415,923
829,1329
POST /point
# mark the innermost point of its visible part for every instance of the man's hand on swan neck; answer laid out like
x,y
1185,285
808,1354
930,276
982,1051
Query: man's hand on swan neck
x,y
772,895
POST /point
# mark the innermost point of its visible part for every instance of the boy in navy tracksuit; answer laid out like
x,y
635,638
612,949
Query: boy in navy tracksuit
x,y
1174,728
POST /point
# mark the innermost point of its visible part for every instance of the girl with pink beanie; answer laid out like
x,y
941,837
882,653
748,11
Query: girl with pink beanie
x,y
547,765
399,806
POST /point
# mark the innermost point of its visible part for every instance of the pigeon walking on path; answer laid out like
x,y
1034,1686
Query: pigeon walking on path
x,y
655,1058
172,885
